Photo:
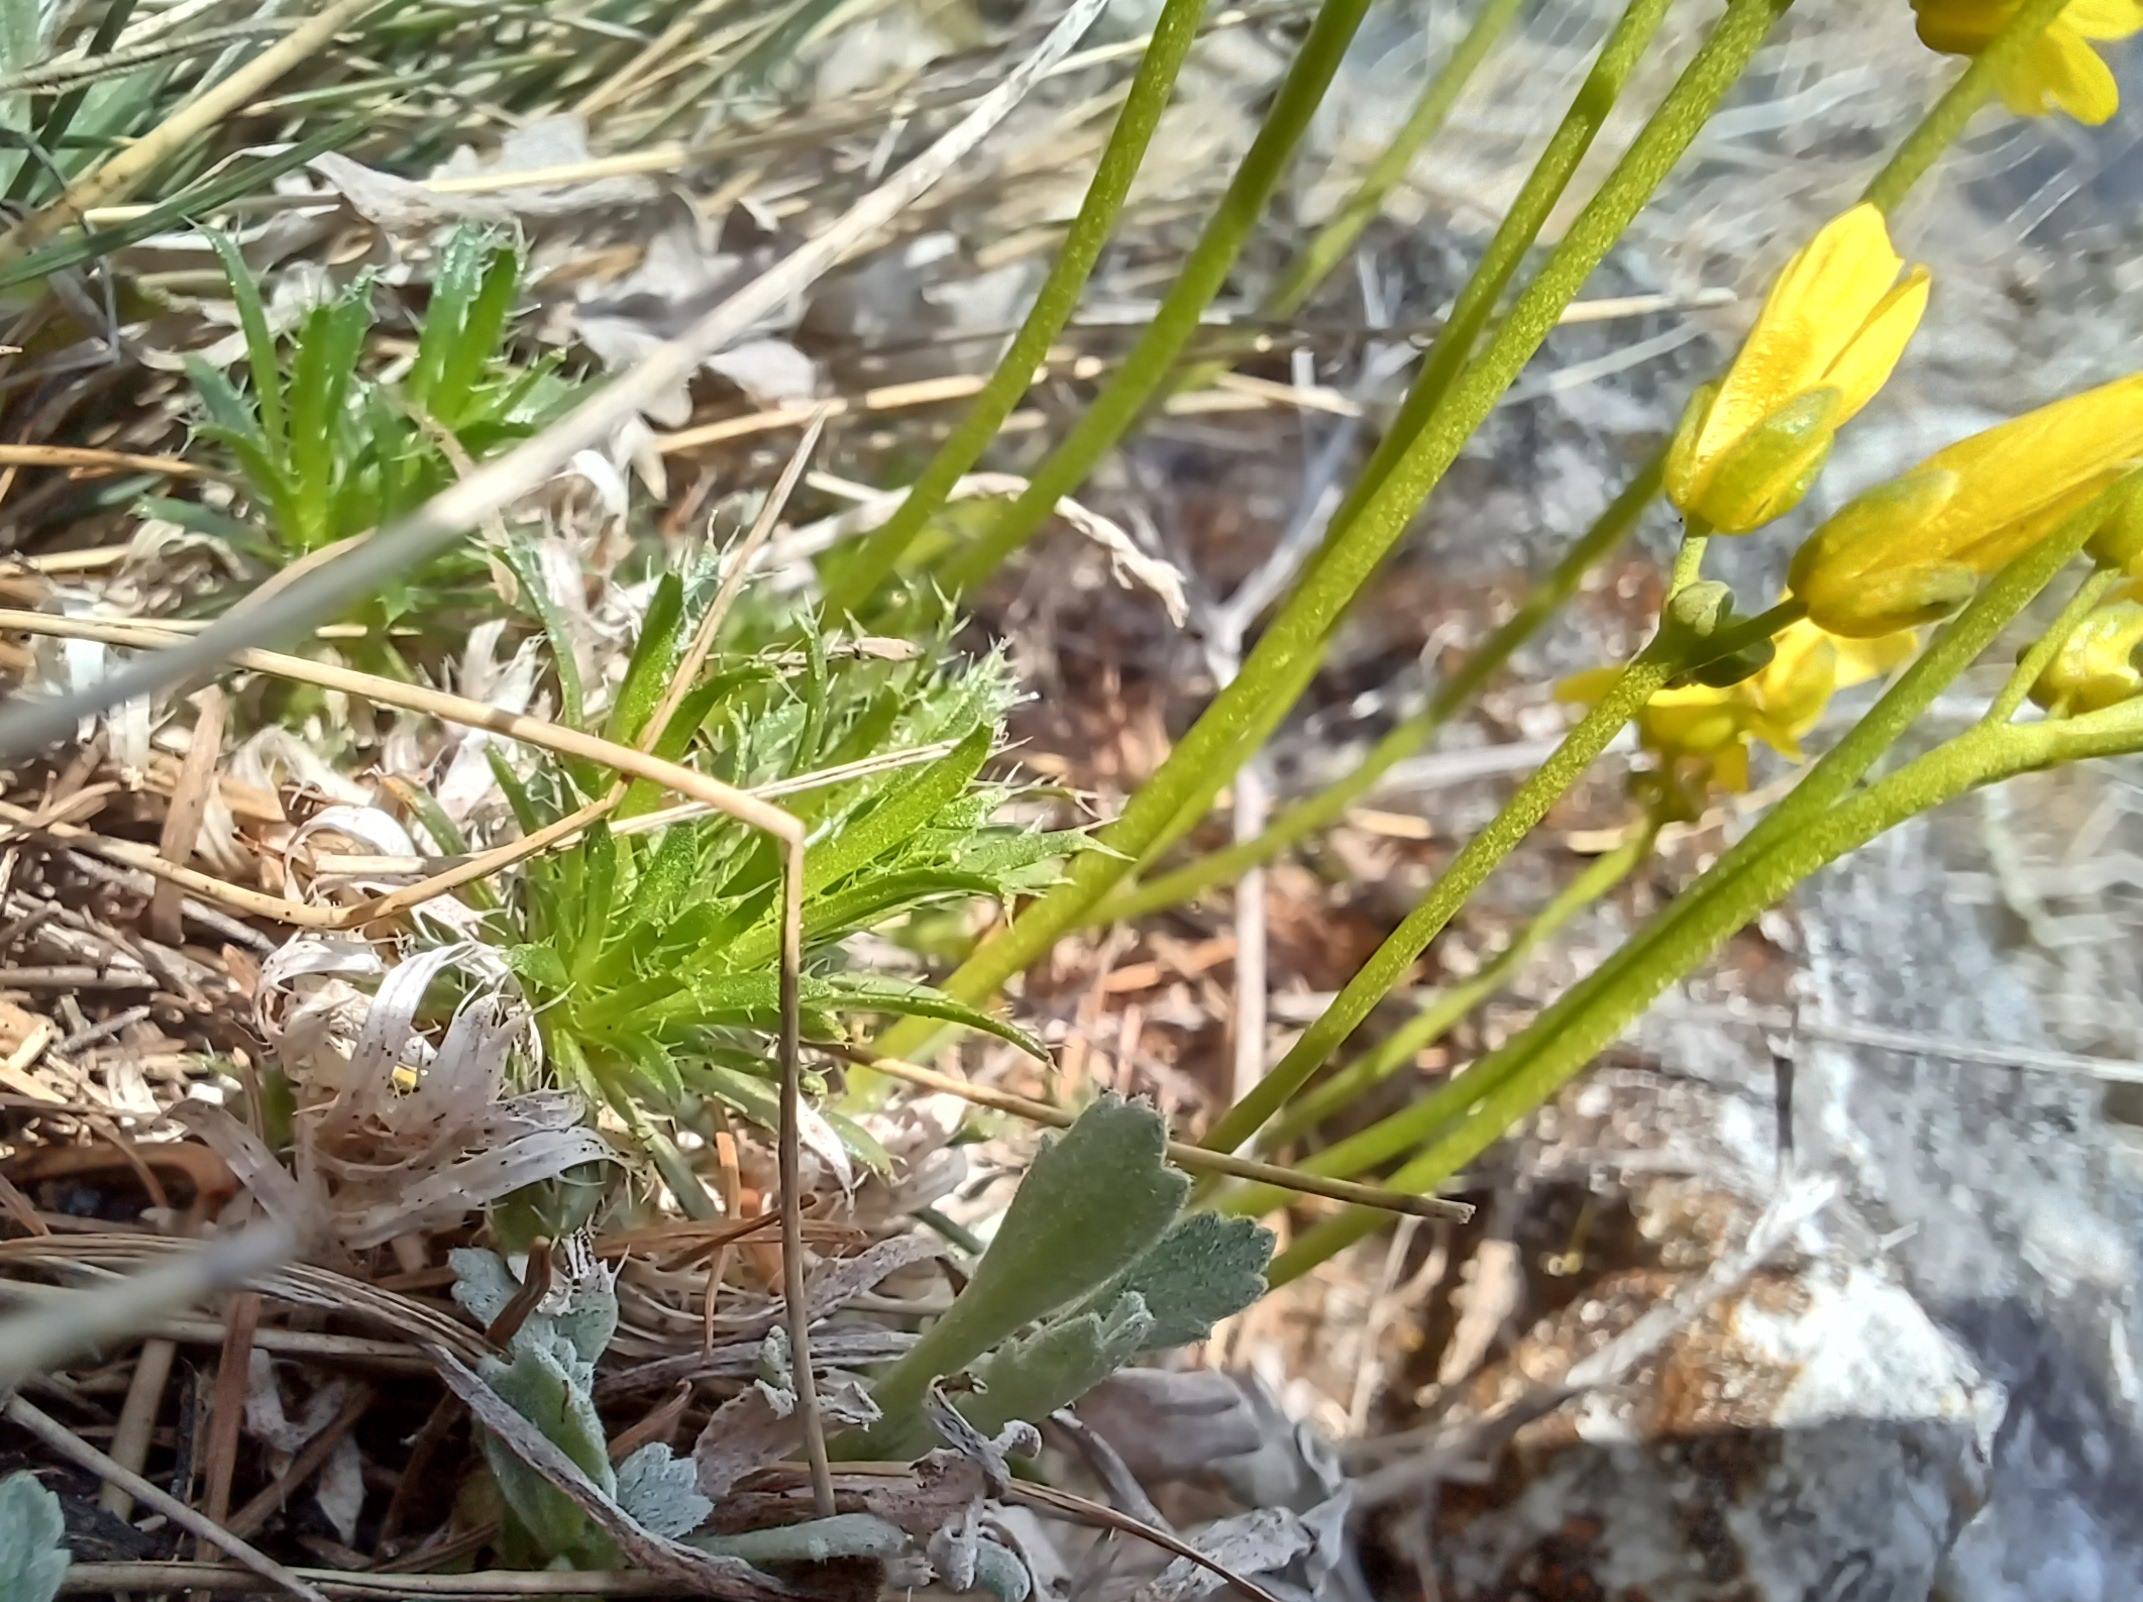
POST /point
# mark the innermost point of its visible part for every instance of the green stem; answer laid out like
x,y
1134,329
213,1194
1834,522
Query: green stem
x,y
1510,1084
1204,270
1467,871
1444,1010
1689,559
1514,236
1310,816
2042,652
1521,225
1353,553
1949,116
1174,32
1332,242
1953,650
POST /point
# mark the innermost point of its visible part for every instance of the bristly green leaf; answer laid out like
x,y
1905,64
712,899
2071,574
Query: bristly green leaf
x,y
1205,1269
654,655
260,343
1094,1200
903,998
905,806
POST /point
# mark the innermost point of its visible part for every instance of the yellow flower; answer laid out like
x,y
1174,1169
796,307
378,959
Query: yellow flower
x,y
2096,665
2059,70
1916,548
1830,333
1713,729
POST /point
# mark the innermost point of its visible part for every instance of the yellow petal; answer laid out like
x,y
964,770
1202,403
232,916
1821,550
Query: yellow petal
x,y
1731,769
1862,660
1818,306
1867,363
2034,462
2062,71
2104,19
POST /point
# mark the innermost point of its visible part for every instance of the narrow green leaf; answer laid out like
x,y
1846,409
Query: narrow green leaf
x,y
904,806
654,654
865,992
260,344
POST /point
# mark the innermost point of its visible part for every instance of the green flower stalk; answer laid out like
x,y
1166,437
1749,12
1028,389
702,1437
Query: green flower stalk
x,y
1174,32
1353,553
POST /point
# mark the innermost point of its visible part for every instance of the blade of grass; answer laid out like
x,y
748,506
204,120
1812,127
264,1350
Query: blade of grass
x,y
1298,633
1123,399
1173,34
119,175
28,725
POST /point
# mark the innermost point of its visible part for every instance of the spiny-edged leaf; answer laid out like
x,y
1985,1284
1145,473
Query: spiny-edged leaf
x,y
1093,1201
1205,1269
227,408
518,800
740,1092
33,1532
861,1144
655,1066
692,711
260,344
661,1491
1004,855
539,965
527,570
904,806
647,674
1030,1377
870,992
328,344
869,901
599,852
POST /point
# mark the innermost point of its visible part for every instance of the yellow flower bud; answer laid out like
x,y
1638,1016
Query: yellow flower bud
x,y
2096,665
1912,550
2118,544
1713,729
2059,70
1829,335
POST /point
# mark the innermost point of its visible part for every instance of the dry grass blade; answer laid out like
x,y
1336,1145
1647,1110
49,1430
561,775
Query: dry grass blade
x,y
70,1446
32,725
1105,1517
84,458
44,1338
724,1578
117,177
125,1579
1181,1153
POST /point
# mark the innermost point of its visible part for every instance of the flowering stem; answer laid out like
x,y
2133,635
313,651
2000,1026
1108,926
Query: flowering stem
x,y
1514,236
1173,34
1651,669
1352,553
1440,1012
1309,816
1949,116
2043,651
1204,270
1511,1083
1752,631
1689,559
1337,236
1721,901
